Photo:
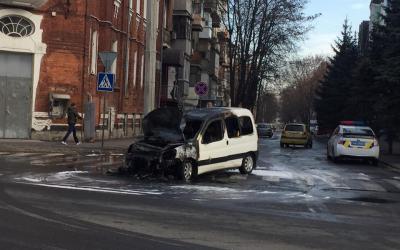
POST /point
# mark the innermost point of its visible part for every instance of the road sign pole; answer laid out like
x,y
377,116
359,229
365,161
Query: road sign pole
x,y
107,57
104,118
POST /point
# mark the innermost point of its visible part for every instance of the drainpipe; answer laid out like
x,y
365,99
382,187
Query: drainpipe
x,y
126,66
161,52
84,67
150,58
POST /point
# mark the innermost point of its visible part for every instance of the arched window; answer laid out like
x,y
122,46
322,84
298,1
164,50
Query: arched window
x,y
16,26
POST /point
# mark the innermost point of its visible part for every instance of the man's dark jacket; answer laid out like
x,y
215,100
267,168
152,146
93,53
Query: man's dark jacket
x,y
72,115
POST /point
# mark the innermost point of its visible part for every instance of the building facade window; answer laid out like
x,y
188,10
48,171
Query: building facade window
x,y
145,9
135,60
142,71
165,13
198,7
93,63
138,6
114,48
16,26
182,27
117,4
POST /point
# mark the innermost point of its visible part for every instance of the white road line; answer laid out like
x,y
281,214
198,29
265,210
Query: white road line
x,y
98,189
24,154
24,212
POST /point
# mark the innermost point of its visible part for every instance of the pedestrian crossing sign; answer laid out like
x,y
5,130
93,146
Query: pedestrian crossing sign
x,y
105,82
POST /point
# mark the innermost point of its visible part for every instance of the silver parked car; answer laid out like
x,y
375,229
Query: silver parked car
x,y
265,130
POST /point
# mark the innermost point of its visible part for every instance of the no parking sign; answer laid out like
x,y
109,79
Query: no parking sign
x,y
201,88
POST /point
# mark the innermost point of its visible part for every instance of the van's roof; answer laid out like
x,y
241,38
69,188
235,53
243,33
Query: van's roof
x,y
208,113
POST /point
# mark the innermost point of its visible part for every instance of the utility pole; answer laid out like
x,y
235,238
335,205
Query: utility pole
x,y
150,55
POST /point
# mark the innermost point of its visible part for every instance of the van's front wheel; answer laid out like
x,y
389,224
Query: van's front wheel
x,y
186,171
247,164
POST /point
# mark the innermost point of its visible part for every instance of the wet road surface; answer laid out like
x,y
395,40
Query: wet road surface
x,y
296,199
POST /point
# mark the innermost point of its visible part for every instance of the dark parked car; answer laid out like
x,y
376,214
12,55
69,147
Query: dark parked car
x,y
265,130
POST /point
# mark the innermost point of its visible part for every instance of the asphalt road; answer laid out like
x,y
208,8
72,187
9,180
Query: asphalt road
x,y
295,199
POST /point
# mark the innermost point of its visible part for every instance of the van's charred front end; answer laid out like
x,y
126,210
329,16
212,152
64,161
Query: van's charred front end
x,y
146,158
163,149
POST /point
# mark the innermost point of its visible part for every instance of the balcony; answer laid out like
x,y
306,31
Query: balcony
x,y
197,24
183,8
166,38
207,29
31,4
210,5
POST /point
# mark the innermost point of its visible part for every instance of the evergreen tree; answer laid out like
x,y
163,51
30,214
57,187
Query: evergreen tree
x,y
388,68
333,97
362,105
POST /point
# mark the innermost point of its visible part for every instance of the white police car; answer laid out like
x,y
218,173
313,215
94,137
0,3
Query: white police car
x,y
353,140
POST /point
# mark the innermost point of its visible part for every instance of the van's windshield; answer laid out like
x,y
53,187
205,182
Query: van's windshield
x,y
191,128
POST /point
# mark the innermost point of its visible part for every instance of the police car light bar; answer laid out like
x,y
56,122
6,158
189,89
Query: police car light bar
x,y
353,123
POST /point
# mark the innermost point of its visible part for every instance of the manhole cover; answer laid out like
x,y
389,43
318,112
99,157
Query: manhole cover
x,y
371,200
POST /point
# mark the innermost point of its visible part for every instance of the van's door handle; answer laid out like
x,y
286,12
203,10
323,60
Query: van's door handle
x,y
227,142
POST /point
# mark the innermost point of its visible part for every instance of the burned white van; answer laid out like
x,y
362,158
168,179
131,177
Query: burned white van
x,y
197,142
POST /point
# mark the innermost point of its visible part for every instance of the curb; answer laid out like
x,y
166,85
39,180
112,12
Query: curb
x,y
389,165
69,149
107,151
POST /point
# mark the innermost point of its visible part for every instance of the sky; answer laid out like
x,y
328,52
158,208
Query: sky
x,y
328,26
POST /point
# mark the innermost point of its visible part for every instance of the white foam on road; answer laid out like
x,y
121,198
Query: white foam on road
x,y
54,177
394,183
64,175
273,173
362,176
205,188
213,189
32,179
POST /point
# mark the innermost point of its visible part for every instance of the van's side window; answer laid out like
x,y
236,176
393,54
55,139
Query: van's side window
x,y
232,126
246,125
214,132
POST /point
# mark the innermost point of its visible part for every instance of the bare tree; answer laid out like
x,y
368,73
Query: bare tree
x,y
267,107
261,34
303,76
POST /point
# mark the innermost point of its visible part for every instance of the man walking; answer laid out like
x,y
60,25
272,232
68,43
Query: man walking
x,y
72,118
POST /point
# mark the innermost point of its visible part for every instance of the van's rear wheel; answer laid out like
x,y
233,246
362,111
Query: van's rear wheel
x,y
247,164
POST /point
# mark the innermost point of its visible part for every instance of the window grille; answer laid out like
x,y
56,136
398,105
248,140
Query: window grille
x,y
16,26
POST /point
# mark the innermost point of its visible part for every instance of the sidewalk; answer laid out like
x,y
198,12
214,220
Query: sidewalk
x,y
391,160
117,146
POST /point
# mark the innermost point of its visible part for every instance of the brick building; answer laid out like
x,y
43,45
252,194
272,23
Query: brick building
x,y
49,58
